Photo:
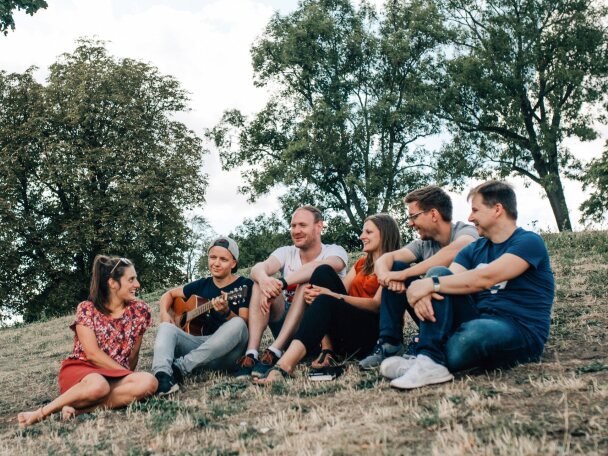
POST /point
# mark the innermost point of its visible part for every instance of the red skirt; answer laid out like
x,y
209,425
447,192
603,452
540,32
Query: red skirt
x,y
74,370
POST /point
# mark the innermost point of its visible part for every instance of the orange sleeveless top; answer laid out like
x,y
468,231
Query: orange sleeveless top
x,y
363,286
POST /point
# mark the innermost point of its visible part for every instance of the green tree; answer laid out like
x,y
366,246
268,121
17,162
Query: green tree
x,y
258,237
350,100
90,163
8,6
200,235
596,207
525,75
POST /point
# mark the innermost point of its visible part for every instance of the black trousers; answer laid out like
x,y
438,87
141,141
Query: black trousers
x,y
353,331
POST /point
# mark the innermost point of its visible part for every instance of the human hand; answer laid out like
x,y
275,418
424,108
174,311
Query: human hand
x,y
396,286
424,308
419,289
265,305
270,287
309,293
220,304
384,278
166,317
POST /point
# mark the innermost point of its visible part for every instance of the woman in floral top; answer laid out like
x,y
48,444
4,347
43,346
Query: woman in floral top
x,y
108,332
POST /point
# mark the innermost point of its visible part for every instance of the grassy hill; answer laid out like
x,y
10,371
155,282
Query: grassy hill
x,y
557,406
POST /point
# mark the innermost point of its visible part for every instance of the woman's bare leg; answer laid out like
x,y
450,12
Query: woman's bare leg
x,y
326,343
123,392
287,362
91,390
131,388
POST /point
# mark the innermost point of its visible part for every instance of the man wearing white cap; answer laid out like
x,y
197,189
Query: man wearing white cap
x,y
177,353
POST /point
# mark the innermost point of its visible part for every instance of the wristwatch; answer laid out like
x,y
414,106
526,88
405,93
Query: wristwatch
x,y
436,284
284,282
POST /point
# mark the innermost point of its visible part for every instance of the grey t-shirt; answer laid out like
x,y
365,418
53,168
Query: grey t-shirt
x,y
423,250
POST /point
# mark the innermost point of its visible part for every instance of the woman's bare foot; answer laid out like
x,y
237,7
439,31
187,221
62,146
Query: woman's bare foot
x,y
274,375
29,418
67,413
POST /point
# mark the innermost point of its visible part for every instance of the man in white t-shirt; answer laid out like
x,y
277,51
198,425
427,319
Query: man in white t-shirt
x,y
279,303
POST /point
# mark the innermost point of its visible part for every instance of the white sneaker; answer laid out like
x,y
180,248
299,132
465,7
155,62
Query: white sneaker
x,y
424,372
396,366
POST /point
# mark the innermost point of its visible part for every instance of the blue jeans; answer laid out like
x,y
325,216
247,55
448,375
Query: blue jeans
x,y
393,306
218,351
462,338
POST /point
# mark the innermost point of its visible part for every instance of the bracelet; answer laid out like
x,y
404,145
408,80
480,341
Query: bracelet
x,y
436,284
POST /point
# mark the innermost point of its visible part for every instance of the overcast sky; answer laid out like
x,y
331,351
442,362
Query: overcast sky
x,y
205,44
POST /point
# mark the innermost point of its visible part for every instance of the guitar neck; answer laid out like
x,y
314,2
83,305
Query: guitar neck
x,y
203,305
200,310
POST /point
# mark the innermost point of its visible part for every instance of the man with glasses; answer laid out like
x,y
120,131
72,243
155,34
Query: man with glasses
x,y
491,308
178,354
430,214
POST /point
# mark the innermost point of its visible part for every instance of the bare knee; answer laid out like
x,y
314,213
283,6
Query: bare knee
x,y
143,384
96,387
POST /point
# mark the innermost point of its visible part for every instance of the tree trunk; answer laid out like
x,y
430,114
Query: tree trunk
x,y
555,193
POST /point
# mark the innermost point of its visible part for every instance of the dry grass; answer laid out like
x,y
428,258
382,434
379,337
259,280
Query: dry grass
x,y
558,406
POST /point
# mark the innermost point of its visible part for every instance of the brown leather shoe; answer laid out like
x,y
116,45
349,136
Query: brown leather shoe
x,y
266,362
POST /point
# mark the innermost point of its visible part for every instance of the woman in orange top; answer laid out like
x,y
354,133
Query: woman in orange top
x,y
348,320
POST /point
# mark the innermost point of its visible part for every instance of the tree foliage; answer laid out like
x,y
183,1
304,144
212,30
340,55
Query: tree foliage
x,y
525,75
595,209
350,99
91,163
8,6
258,237
200,235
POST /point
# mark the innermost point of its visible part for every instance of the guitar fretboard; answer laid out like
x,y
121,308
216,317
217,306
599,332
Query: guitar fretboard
x,y
206,306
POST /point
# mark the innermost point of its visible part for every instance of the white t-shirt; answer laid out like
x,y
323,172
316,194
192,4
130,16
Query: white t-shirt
x,y
289,257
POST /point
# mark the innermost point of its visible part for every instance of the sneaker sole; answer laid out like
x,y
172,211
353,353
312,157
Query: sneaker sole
x,y
434,381
256,374
369,368
174,389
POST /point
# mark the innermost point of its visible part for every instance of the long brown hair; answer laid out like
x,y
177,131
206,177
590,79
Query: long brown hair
x,y
390,238
105,268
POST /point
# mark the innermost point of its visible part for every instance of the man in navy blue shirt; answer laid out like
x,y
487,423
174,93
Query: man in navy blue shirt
x,y
491,308
177,353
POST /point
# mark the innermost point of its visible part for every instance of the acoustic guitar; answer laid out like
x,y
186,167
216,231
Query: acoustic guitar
x,y
187,312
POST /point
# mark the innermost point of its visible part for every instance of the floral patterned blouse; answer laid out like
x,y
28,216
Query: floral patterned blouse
x,y
115,336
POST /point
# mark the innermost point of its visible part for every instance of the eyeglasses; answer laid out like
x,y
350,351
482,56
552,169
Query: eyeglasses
x,y
413,217
120,261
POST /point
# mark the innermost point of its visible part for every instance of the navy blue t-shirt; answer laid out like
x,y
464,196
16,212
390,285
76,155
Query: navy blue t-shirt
x,y
528,298
205,288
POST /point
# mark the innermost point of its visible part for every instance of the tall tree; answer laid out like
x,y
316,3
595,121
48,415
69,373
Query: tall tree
x,y
7,7
258,237
525,75
91,162
595,208
200,235
350,99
